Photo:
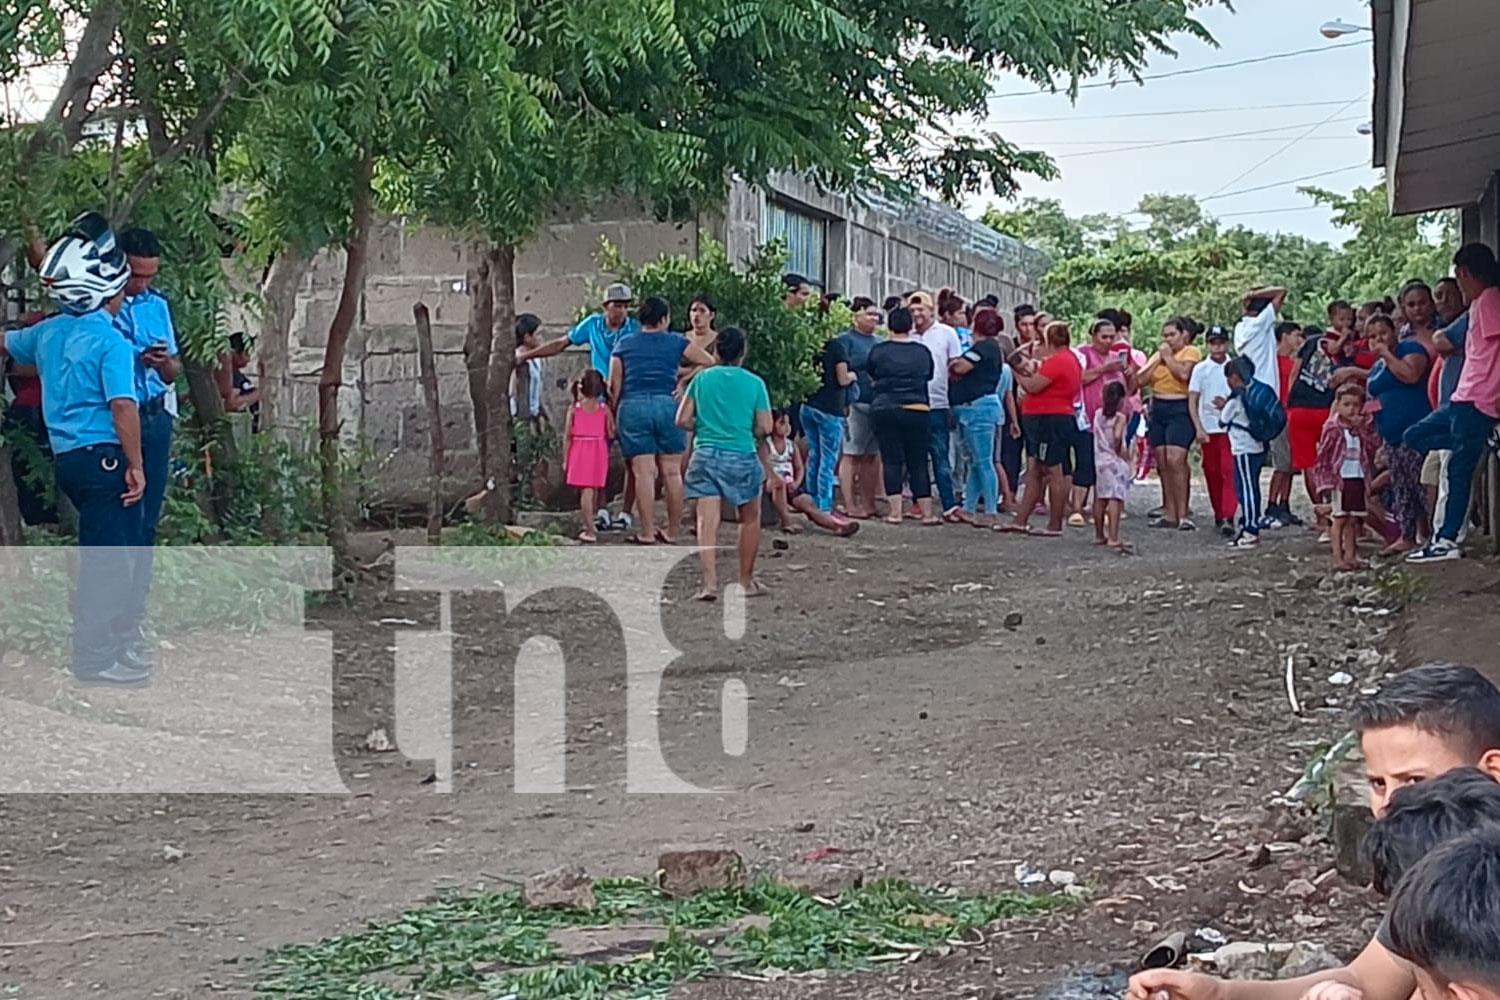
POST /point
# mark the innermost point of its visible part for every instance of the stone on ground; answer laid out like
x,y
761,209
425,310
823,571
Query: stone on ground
x,y
688,871
819,879
567,886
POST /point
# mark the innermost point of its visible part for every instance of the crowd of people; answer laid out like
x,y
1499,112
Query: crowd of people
x,y
930,408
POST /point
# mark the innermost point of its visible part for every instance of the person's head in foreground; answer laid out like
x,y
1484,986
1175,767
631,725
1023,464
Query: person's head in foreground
x,y
1445,919
1426,722
1239,372
1422,817
731,345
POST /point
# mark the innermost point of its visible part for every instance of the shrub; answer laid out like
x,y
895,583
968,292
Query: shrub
x,y
783,345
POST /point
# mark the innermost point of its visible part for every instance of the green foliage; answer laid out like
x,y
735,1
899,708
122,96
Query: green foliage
x,y
535,443
782,345
1183,262
492,944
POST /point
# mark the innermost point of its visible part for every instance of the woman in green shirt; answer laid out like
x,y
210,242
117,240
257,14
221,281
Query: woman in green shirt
x,y
729,413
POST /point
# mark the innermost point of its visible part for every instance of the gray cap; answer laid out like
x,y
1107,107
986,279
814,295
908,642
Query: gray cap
x,y
618,292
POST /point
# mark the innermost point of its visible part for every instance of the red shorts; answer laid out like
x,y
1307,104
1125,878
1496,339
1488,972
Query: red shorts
x,y
1349,499
1304,426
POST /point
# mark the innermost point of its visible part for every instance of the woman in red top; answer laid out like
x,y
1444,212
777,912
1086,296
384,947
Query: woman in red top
x,y
1052,382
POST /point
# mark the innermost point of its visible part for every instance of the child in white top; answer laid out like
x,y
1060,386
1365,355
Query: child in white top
x,y
1249,457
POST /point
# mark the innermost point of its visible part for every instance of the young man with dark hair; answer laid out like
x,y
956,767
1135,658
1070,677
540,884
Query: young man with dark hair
x,y
798,290
859,471
1425,722
1445,919
146,319
1465,424
1279,497
1423,821
1255,335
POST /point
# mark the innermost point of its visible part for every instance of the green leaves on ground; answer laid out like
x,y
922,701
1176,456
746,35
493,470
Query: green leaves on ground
x,y
492,945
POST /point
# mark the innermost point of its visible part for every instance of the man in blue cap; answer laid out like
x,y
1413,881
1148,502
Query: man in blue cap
x,y
88,374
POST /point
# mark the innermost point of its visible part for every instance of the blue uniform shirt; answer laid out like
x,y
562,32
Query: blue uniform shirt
x,y
84,364
601,339
146,320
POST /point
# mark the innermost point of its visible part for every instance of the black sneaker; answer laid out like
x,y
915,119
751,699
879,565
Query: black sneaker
x,y
137,653
118,676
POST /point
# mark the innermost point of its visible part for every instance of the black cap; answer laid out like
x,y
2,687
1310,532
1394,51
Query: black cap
x,y
1216,332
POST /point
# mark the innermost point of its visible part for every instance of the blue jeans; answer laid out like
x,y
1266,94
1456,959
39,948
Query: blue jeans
x,y
978,421
93,479
1462,429
942,464
647,425
825,439
156,455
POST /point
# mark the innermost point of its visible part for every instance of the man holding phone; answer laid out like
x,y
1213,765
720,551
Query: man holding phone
x,y
146,321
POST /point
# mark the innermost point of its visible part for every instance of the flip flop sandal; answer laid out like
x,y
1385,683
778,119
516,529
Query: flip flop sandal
x,y
894,521
706,596
849,530
932,522
662,539
1011,529
1044,533
638,540
587,537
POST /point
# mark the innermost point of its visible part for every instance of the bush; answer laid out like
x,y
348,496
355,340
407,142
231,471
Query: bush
x,y
783,345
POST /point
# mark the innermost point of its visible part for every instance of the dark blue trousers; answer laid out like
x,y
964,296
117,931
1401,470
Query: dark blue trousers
x,y
156,455
93,479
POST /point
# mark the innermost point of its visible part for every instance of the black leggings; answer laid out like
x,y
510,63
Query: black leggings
x,y
903,437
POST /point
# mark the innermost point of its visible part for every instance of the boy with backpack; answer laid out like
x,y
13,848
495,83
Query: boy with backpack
x,y
1254,416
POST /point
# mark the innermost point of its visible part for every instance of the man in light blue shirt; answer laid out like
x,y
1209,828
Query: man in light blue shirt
x,y
146,321
601,331
88,374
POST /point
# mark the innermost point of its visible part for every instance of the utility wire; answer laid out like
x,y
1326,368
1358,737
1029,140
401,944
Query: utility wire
x,y
1054,120
1189,72
1282,149
1281,184
1198,139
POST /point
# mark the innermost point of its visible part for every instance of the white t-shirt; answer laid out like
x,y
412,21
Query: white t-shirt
x,y
1351,467
942,341
1255,338
1210,382
1241,442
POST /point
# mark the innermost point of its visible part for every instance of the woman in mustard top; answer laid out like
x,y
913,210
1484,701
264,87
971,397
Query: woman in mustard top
x,y
1171,430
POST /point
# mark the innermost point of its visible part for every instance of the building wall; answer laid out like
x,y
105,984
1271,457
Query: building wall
x,y
874,247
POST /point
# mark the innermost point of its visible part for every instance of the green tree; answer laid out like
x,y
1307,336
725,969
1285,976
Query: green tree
x,y
1383,251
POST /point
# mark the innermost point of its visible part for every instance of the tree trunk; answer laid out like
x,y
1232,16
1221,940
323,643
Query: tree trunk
x,y
434,421
333,363
477,345
214,428
273,346
497,503
1492,508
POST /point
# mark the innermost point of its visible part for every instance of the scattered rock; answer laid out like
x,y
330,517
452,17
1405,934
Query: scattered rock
x,y
1029,876
378,741
1041,640
170,853
1013,620
12,659
1211,936
1144,927
1248,959
1308,922
1300,888
1062,878
922,715
780,544
568,886
1076,891
1260,858
1305,959
807,827
823,880
928,920
687,871
1341,679
1350,820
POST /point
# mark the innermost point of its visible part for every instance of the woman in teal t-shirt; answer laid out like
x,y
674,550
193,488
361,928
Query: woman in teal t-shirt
x,y
729,412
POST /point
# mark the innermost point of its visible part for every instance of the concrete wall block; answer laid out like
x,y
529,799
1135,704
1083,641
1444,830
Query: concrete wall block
x,y
647,240
433,251
937,272
905,263
963,283
325,272
388,301
446,338
556,299
534,258
573,248
386,239
312,318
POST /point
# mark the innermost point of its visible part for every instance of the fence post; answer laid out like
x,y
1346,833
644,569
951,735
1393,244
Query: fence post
x,y
428,365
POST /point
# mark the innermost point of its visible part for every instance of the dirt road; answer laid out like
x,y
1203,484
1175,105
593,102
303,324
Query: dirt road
x,y
1131,727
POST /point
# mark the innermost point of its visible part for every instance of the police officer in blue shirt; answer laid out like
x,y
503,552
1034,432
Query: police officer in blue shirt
x,y
89,400
146,321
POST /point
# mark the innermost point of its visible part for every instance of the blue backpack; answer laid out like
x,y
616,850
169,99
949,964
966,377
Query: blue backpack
x,y
1263,411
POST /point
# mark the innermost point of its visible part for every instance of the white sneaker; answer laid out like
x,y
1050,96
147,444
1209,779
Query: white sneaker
x,y
601,521
1245,541
1437,550
624,522
1271,524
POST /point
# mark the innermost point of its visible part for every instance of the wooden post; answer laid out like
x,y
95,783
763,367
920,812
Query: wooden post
x,y
434,421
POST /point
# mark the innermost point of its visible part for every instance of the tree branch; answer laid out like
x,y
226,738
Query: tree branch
x,y
92,58
194,134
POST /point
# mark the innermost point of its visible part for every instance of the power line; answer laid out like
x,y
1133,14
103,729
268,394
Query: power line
x,y
1054,120
1201,139
1049,143
1189,72
1269,211
1281,184
1289,144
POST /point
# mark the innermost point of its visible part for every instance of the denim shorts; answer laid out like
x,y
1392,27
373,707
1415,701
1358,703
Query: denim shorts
x,y
648,426
735,476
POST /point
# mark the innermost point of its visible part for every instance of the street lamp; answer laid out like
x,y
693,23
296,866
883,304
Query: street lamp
x,y
1340,28
1366,128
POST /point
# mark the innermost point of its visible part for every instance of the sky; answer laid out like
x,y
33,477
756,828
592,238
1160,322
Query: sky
x,y
1092,140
